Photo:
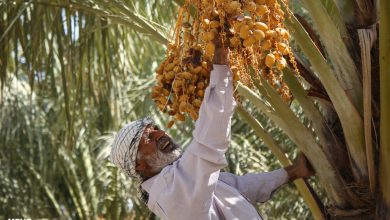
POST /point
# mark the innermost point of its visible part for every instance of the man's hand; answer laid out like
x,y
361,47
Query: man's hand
x,y
301,168
221,54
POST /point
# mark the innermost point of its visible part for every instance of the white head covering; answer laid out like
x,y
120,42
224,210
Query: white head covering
x,y
125,147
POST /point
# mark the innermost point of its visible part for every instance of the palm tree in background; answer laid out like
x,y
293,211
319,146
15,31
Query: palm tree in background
x,y
72,74
73,70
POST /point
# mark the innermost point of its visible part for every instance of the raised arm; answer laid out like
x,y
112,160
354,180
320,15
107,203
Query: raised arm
x,y
196,174
205,156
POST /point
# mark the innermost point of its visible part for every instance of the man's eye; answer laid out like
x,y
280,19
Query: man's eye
x,y
150,135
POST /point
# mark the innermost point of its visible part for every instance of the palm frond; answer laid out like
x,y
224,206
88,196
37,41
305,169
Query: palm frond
x,y
345,109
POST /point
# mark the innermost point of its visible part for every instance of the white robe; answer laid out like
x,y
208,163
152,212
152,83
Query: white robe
x,y
193,187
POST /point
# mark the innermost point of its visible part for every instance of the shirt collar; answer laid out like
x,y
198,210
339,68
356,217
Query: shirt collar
x,y
147,185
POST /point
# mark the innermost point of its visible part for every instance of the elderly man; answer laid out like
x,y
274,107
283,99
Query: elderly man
x,y
191,185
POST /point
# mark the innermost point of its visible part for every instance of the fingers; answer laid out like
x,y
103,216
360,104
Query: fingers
x,y
308,167
303,166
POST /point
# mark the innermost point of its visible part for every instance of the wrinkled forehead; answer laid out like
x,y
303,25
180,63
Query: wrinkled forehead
x,y
148,128
146,125
151,127
145,135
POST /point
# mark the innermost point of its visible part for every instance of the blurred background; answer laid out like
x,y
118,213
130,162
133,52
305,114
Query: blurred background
x,y
73,73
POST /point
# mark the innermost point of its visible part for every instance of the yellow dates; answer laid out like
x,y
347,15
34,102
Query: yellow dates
x,y
259,35
252,30
269,60
244,31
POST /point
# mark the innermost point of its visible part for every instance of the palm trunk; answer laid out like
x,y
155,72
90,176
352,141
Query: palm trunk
x,y
384,153
316,208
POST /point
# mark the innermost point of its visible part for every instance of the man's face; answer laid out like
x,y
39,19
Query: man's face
x,y
155,151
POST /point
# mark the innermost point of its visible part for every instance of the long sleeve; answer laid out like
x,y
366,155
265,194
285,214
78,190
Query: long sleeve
x,y
211,136
191,181
256,187
213,126
205,156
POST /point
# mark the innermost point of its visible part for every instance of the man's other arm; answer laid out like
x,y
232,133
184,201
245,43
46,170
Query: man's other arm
x,y
259,187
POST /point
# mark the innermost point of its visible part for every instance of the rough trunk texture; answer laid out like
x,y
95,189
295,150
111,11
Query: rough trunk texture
x,y
384,151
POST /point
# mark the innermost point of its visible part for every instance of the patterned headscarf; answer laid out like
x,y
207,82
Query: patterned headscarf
x,y
125,147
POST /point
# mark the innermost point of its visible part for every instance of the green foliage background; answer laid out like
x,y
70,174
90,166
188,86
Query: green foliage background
x,y
87,77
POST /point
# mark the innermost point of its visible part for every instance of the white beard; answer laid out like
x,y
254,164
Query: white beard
x,y
160,160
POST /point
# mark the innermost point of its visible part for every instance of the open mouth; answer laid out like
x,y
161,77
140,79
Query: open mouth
x,y
165,145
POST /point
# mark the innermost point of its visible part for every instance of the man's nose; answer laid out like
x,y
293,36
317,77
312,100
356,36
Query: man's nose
x,y
158,134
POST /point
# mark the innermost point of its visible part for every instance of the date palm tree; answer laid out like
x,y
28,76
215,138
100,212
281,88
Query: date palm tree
x,y
342,68
86,65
